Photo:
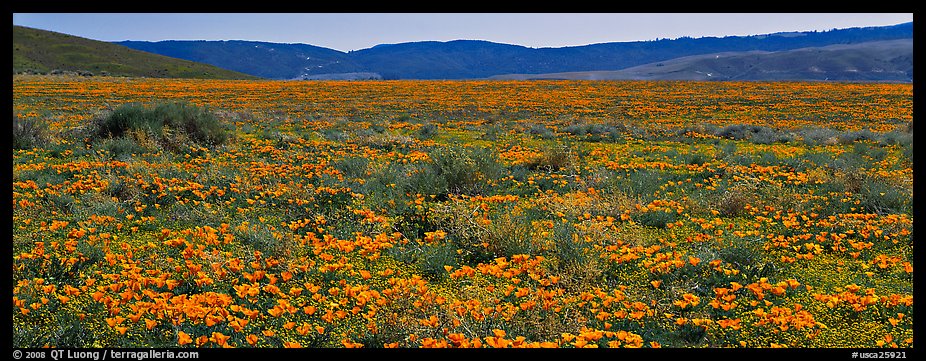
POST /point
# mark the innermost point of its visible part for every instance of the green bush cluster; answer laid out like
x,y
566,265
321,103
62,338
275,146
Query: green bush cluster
x,y
164,123
457,170
28,133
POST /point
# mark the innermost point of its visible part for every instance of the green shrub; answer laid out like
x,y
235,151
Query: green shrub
x,y
700,128
895,137
818,136
596,132
99,205
377,128
753,133
733,201
383,141
335,135
841,181
28,133
539,130
261,238
694,158
908,151
880,196
491,132
850,137
61,202
578,266
657,219
433,258
767,158
506,235
353,167
158,121
422,180
744,254
427,131
121,148
725,150
509,234
554,157
875,153
769,137
457,170
643,183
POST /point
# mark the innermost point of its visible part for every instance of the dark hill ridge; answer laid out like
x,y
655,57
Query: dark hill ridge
x,y
457,59
266,60
463,59
888,60
43,51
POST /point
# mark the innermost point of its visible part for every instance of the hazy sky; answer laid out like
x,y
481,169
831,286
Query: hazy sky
x,y
358,31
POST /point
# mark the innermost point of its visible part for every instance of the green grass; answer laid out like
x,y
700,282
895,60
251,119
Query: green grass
x,y
43,51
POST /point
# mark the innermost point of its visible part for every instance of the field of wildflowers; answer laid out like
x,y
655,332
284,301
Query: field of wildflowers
x,y
462,214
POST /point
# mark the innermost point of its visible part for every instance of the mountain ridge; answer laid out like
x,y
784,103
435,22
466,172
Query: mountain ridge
x,y
467,59
886,60
480,59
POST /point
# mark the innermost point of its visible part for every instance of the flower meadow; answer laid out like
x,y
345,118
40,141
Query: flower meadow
x,y
567,214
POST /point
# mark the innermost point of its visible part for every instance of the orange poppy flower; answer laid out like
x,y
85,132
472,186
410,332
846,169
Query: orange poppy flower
x,y
275,311
291,344
694,260
183,338
219,338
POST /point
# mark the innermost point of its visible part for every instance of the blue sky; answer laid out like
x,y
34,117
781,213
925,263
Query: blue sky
x,y
355,31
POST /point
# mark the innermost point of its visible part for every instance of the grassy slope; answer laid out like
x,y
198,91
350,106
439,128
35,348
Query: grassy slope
x,y
44,51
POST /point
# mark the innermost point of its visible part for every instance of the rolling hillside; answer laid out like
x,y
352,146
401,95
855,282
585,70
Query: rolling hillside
x,y
890,60
465,59
43,51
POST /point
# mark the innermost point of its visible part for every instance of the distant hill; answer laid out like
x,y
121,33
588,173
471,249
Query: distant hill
x,y
889,60
458,59
465,59
266,60
43,51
